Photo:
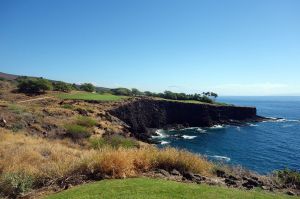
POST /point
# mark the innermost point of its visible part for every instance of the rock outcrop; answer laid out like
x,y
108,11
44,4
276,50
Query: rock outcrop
x,y
144,114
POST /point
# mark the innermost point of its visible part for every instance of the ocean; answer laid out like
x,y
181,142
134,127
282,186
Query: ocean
x,y
262,147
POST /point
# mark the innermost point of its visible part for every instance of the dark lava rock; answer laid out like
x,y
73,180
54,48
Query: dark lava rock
x,y
290,193
251,183
163,172
220,173
82,111
175,172
231,177
3,122
193,177
230,182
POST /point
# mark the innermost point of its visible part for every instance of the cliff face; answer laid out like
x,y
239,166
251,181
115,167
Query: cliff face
x,y
143,114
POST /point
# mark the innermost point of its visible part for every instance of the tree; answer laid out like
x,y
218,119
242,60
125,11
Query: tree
x,y
61,86
122,91
88,87
136,92
34,85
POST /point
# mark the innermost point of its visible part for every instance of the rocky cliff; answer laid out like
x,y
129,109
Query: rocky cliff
x,y
144,114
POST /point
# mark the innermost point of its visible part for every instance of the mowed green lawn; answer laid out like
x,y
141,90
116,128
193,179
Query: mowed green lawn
x,y
90,96
144,188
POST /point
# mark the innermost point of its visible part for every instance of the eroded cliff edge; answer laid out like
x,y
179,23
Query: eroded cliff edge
x,y
144,114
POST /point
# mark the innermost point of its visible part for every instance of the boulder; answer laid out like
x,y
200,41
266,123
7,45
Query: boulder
x,y
3,122
230,182
220,173
82,111
163,172
175,172
290,193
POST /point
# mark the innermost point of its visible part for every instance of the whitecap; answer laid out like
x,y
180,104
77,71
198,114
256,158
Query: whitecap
x,y
188,137
217,126
221,158
252,124
164,142
160,134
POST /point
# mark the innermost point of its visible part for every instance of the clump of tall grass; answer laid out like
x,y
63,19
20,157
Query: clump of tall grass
x,y
116,141
29,162
81,128
76,131
86,121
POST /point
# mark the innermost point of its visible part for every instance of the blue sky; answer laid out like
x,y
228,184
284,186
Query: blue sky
x,y
232,47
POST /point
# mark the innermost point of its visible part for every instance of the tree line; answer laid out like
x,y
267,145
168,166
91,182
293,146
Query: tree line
x,y
41,85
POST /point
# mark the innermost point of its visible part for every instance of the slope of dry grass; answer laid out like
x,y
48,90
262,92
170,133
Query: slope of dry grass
x,y
30,162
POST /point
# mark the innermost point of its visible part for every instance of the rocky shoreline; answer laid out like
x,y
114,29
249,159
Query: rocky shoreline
x,y
144,116
246,180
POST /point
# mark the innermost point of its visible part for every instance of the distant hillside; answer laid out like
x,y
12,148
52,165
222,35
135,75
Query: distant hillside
x,y
8,76
14,77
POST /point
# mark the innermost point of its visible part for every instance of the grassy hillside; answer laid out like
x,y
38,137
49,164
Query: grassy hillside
x,y
141,188
90,96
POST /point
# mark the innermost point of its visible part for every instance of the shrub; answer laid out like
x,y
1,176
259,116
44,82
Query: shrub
x,y
86,121
122,91
34,86
61,86
77,132
67,106
14,184
116,141
88,87
288,177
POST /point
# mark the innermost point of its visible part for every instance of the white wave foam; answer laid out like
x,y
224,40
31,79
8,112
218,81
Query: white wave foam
x,y
252,124
198,129
160,134
188,137
217,126
164,142
221,158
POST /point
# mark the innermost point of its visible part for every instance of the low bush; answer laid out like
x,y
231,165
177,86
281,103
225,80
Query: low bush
x,y
61,86
34,86
288,177
67,106
88,87
116,141
86,121
77,132
14,184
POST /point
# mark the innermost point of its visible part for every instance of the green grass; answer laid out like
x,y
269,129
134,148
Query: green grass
x,y
196,102
76,131
90,96
114,142
144,188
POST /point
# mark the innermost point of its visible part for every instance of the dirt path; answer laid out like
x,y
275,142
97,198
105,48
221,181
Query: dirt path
x,y
35,99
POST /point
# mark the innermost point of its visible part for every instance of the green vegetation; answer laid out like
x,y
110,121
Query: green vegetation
x,y
207,97
34,85
14,108
122,91
90,96
116,141
290,178
14,184
86,121
81,128
88,87
61,86
68,106
144,188
76,131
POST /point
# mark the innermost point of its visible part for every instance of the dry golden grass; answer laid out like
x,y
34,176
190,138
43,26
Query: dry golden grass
x,y
45,161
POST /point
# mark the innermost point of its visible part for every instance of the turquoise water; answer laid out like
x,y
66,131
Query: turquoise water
x,y
262,147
